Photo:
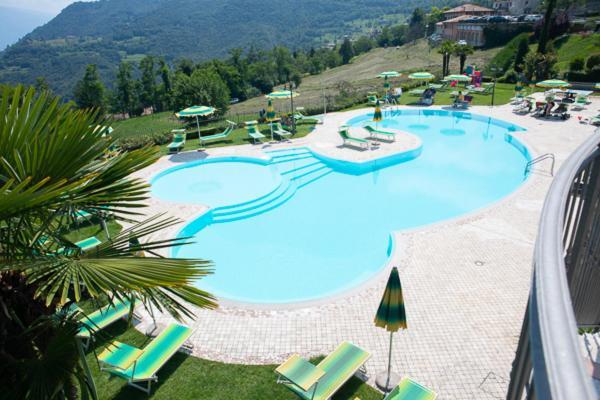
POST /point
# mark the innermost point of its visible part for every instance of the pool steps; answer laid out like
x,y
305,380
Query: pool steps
x,y
298,168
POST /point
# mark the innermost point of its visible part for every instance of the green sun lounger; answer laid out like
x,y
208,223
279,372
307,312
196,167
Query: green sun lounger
x,y
299,117
408,389
140,366
320,382
416,92
82,215
84,245
253,132
178,141
217,136
279,131
380,133
102,318
351,140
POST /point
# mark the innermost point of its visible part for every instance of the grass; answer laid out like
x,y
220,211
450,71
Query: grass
x,y
185,377
240,136
93,228
573,46
158,123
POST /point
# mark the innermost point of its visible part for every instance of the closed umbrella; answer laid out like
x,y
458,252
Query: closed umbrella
x,y
270,115
391,316
386,84
553,83
196,111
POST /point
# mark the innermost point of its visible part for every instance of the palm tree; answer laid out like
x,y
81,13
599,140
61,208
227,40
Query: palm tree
x,y
53,162
462,51
446,49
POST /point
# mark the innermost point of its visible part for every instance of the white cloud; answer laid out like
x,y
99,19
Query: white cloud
x,y
44,6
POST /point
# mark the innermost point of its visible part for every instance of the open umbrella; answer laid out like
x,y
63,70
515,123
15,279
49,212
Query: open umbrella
x,y
389,74
553,83
270,115
377,117
459,78
391,316
285,94
196,111
421,76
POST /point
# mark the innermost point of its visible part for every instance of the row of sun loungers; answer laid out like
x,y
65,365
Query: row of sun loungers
x,y
350,140
139,367
322,381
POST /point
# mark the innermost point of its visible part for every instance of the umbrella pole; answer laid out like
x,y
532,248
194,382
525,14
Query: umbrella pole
x,y
387,383
199,137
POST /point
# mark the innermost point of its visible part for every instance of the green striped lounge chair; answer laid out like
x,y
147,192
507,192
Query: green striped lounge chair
x,y
351,140
102,318
217,136
300,117
254,132
320,382
279,131
139,367
373,132
82,215
84,245
408,389
178,141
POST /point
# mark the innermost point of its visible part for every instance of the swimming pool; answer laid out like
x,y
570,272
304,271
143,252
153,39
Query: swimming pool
x,y
300,226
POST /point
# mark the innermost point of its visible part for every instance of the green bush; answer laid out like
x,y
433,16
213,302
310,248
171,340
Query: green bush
x,y
511,76
577,64
592,62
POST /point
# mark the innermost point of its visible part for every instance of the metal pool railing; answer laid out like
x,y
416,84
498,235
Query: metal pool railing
x,y
565,290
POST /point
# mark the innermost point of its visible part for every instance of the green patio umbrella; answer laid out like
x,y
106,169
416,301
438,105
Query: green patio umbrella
x,y
285,94
597,86
553,83
196,111
391,316
270,115
389,74
421,76
459,78
377,117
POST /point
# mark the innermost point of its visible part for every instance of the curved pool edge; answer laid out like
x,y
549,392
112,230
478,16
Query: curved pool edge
x,y
520,143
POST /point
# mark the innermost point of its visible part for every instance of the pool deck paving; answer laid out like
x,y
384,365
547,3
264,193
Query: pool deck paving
x,y
465,280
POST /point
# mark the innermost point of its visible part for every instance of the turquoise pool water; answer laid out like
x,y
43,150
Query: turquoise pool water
x,y
300,226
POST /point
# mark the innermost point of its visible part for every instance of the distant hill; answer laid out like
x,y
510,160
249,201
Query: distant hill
x,y
16,23
108,31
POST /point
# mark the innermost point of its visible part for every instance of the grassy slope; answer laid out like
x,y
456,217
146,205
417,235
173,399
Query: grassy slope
x,y
573,46
362,72
147,125
185,377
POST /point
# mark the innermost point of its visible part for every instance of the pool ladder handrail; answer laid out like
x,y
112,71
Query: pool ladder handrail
x,y
540,159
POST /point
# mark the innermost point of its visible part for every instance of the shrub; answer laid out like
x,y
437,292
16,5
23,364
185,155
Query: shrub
x,y
511,76
577,64
592,62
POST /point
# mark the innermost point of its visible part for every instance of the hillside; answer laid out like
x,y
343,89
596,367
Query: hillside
x,y
361,73
108,31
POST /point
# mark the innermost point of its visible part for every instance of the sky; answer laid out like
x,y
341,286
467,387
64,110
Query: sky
x,y
52,7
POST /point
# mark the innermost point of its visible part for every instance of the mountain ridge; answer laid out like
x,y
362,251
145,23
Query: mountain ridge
x,y
106,32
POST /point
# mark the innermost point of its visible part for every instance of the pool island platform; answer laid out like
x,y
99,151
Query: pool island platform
x,y
465,280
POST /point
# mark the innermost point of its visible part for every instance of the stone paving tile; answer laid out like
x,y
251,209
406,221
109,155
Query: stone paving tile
x,y
466,283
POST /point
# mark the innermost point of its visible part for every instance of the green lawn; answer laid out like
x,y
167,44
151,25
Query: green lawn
x,y
573,46
158,123
93,228
240,136
185,377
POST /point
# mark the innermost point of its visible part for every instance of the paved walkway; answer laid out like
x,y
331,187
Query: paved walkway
x,y
466,284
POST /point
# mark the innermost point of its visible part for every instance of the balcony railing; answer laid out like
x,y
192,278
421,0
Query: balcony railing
x,y
565,290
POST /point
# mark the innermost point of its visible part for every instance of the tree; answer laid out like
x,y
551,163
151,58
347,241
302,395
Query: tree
x,y
166,87
435,15
416,25
462,51
42,272
204,87
538,66
362,45
544,34
399,34
522,50
346,51
185,66
148,95
446,49
89,91
125,96
577,64
41,85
